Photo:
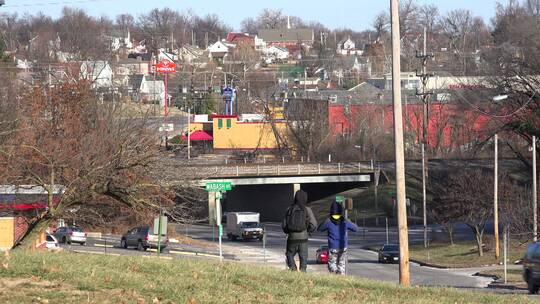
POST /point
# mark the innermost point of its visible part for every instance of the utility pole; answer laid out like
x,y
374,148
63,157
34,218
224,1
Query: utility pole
x,y
188,133
404,278
425,94
496,198
535,194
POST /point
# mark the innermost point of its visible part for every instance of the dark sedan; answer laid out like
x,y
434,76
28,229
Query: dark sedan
x,y
389,253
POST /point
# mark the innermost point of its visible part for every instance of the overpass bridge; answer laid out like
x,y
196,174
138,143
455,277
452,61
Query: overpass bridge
x,y
269,188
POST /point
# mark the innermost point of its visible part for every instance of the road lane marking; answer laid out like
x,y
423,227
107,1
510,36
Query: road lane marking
x,y
160,257
194,253
103,245
96,252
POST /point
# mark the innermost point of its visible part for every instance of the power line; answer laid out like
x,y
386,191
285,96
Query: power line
x,y
53,3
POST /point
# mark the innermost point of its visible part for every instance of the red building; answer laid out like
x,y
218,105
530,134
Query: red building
x,y
449,126
240,38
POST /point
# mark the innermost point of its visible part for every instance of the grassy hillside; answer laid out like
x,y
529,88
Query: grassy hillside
x,y
78,278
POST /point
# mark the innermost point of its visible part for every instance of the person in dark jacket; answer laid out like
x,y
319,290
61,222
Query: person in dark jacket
x,y
338,241
297,241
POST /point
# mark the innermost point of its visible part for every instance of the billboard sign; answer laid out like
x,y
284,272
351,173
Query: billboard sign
x,y
166,66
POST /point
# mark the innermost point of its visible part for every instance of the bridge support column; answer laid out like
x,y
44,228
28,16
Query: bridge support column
x,y
212,208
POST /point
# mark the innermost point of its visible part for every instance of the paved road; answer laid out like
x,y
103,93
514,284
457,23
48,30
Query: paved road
x,y
362,263
111,245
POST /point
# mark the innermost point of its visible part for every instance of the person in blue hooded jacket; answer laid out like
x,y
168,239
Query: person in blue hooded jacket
x,y
337,226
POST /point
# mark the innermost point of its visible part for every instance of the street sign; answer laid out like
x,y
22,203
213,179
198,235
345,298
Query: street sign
x,y
218,186
228,92
340,199
163,225
166,66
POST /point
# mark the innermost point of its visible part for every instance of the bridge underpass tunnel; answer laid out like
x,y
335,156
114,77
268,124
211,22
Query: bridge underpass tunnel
x,y
272,200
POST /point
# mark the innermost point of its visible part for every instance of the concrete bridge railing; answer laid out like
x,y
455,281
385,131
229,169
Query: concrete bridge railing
x,y
279,169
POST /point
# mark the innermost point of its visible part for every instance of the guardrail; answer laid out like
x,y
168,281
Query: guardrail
x,y
280,169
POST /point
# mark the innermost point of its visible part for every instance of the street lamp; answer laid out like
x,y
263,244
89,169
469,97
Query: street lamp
x,y
496,185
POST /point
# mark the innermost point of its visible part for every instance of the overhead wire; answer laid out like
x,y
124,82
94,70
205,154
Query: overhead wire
x,y
63,2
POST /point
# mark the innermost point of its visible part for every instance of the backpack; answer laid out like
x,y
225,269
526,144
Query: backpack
x,y
296,219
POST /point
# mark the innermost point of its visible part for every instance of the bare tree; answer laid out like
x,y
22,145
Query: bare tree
x,y
468,194
66,141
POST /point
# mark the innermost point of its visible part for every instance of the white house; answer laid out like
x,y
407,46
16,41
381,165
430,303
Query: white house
x,y
98,72
260,44
220,49
348,47
119,42
189,53
163,54
276,52
152,90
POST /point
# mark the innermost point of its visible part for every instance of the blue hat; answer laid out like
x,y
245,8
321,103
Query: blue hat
x,y
336,208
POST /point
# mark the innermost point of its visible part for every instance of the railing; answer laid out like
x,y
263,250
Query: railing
x,y
280,169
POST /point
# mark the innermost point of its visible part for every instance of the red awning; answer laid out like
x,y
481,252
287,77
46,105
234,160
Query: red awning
x,y
199,135
24,206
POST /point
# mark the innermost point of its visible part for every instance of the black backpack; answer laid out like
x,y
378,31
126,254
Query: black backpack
x,y
296,219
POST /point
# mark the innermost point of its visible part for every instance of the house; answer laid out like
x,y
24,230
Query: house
x,y
220,50
163,54
119,42
288,38
260,44
131,66
98,72
276,53
348,47
240,38
189,54
152,90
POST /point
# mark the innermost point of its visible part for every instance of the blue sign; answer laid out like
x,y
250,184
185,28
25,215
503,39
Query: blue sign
x,y
228,92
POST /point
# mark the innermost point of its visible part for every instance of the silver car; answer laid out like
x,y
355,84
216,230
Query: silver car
x,y
143,238
71,234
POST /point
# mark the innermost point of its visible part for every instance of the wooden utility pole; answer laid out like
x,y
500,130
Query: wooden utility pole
x,y
404,278
496,198
535,194
425,94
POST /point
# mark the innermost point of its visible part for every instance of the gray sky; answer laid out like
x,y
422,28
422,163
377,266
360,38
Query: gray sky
x,y
357,14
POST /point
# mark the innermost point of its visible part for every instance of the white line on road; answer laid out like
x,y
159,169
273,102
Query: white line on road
x,y
103,245
96,252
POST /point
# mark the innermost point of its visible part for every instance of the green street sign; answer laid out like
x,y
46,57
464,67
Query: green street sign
x,y
218,186
340,199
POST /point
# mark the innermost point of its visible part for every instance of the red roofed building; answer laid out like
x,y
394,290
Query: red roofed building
x,y
240,38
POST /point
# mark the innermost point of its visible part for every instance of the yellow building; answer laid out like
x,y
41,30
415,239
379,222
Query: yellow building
x,y
230,134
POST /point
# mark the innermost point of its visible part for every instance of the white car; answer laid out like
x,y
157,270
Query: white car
x,y
51,242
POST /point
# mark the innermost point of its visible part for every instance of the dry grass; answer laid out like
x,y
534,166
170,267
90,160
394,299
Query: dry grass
x,y
460,255
77,278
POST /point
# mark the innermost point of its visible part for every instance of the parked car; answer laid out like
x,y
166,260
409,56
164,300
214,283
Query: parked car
x,y
143,238
322,255
389,253
51,242
70,234
531,267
